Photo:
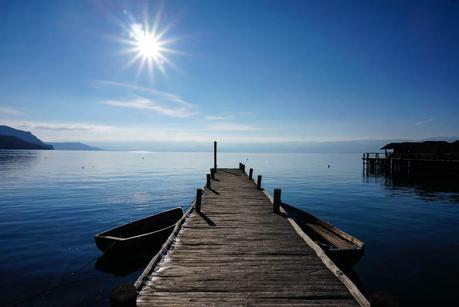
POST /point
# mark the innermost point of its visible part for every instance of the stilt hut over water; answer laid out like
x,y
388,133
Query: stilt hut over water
x,y
428,157
423,150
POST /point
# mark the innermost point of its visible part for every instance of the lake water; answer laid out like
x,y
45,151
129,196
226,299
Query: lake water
x,y
53,202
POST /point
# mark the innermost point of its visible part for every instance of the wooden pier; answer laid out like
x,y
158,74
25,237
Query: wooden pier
x,y
232,249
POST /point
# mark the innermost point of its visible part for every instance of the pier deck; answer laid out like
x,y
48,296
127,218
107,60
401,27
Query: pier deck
x,y
237,252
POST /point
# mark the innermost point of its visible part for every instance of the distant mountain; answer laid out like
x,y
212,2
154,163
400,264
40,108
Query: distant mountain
x,y
12,142
442,138
72,146
26,140
24,136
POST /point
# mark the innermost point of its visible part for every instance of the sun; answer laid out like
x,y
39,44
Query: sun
x,y
148,47
146,43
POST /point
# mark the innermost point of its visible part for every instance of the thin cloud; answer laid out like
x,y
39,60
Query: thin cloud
x,y
228,116
150,99
219,117
10,111
147,104
60,126
423,122
231,127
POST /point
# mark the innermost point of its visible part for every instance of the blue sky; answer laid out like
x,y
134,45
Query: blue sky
x,y
236,71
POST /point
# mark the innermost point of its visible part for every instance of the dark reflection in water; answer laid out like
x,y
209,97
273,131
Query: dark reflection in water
x,y
425,186
11,159
120,267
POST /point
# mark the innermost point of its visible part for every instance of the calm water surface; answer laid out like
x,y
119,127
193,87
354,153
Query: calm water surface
x,y
53,202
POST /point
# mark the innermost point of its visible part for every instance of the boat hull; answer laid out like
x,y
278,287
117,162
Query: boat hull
x,y
342,248
142,235
348,257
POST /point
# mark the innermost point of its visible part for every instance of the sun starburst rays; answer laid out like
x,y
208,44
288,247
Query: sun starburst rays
x,y
148,46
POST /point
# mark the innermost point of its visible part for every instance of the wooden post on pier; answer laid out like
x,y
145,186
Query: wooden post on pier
x,y
259,182
208,184
215,156
277,201
242,167
198,200
212,173
251,174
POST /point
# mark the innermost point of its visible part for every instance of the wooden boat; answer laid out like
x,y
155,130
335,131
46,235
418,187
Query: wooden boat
x,y
340,247
138,236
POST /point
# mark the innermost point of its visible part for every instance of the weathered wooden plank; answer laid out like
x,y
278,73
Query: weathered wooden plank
x,y
203,272
238,299
237,252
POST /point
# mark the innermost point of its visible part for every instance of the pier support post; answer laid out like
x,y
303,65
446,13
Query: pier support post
x,y
251,174
277,200
123,296
259,182
212,173
215,155
198,200
208,185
